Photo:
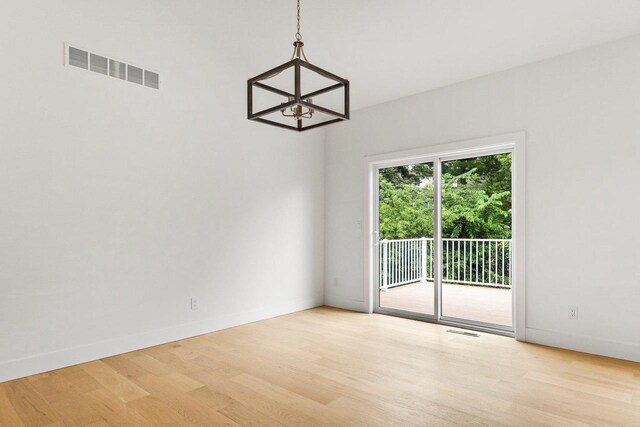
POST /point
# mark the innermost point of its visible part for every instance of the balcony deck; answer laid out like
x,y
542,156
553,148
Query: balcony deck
x,y
477,303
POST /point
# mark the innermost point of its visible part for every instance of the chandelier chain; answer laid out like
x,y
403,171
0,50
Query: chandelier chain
x,y
298,35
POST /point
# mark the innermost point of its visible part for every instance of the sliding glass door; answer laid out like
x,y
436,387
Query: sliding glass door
x,y
444,246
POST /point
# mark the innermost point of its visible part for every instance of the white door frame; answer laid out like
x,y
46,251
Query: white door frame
x,y
514,142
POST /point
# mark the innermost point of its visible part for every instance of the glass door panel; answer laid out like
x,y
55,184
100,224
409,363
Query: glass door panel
x,y
476,205
406,245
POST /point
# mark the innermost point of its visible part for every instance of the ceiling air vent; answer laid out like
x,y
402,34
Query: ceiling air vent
x,y
117,69
103,64
151,79
98,63
134,74
78,58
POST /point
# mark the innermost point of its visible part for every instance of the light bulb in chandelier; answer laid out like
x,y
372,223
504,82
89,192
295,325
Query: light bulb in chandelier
x,y
297,112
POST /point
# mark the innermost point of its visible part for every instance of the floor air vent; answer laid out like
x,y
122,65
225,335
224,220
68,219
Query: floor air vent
x,y
465,333
91,61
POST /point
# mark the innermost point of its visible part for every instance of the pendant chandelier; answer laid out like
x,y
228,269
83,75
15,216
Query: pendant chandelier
x,y
297,109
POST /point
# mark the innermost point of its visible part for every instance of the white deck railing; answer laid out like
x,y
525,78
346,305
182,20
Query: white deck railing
x,y
481,262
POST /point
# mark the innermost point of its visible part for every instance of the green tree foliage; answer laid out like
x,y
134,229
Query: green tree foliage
x,y
411,174
476,199
406,211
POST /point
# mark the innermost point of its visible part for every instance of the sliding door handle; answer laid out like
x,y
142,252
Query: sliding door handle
x,y
376,238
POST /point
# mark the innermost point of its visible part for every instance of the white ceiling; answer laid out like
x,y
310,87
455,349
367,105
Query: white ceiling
x,y
394,48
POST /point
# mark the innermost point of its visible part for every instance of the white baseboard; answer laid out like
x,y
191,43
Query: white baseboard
x,y
619,350
345,303
62,358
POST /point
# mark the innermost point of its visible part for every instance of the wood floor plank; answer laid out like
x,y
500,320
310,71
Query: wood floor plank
x,y
149,364
113,410
304,383
80,381
31,407
583,386
575,405
164,390
113,381
67,404
246,416
380,414
126,367
157,413
51,386
182,383
8,415
329,367
284,411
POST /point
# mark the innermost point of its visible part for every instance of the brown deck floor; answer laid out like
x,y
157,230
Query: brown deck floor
x,y
477,303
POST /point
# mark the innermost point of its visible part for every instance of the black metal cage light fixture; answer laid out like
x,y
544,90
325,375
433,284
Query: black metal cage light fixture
x,y
300,110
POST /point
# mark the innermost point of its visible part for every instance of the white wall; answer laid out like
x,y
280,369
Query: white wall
x,y
581,114
119,203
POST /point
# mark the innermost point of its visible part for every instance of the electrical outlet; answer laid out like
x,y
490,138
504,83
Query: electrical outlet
x,y
194,304
573,312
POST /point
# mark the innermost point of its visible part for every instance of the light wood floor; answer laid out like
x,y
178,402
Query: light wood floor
x,y
331,367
